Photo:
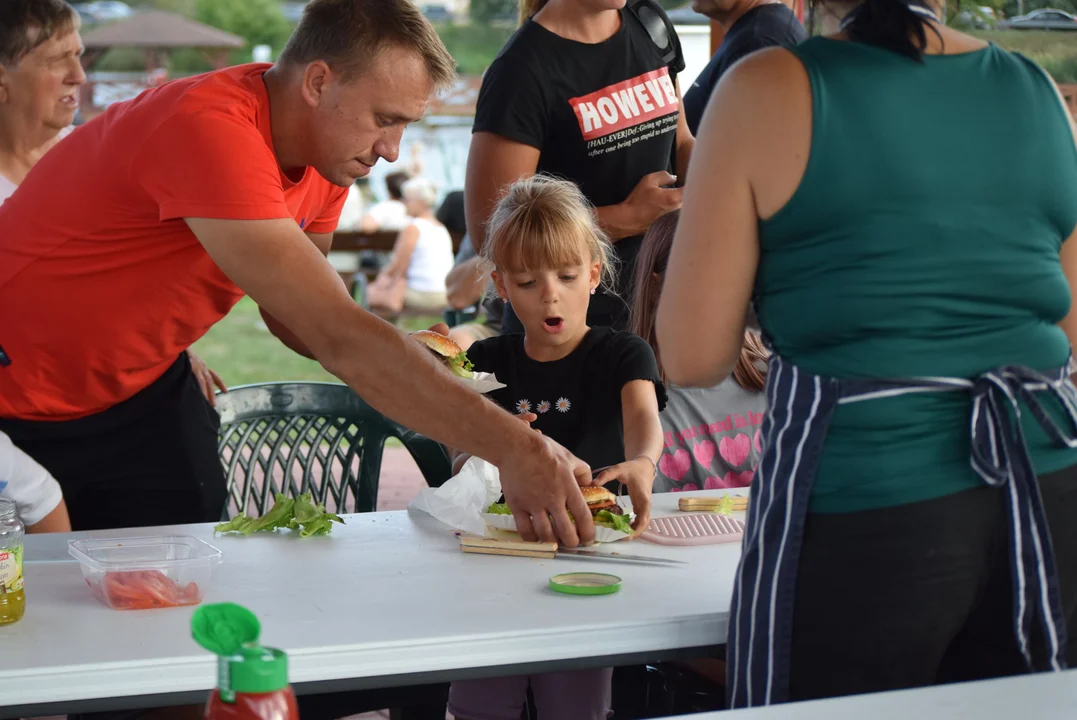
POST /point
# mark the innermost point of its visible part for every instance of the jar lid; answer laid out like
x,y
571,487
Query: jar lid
x,y
223,628
231,632
8,508
585,583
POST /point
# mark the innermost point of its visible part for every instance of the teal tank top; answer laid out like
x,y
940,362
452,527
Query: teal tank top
x,y
922,241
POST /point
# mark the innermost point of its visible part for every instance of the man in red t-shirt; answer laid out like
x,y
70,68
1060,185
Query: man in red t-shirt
x,y
137,233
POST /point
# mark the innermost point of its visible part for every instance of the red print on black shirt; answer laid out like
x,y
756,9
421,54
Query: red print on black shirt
x,y
626,104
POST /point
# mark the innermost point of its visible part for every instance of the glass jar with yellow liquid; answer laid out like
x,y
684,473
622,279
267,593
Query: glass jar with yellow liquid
x,y
12,596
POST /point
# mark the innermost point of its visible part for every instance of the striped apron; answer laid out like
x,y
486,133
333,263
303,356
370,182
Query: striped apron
x,y
800,409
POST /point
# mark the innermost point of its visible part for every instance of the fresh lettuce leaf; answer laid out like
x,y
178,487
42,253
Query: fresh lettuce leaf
x,y
300,514
619,523
461,366
499,509
239,524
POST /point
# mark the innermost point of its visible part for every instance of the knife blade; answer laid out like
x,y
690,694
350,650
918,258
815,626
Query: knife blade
x,y
616,556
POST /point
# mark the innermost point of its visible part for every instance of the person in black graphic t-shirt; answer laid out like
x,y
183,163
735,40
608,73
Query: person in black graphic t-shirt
x,y
595,390
749,25
585,90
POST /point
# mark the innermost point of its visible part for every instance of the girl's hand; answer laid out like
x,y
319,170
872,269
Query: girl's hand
x,y
638,476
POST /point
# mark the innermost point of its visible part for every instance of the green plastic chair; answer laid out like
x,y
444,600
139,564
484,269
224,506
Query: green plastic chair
x,y
295,437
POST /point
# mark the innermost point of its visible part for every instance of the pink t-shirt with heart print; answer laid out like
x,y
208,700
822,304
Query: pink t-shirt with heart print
x,y
712,438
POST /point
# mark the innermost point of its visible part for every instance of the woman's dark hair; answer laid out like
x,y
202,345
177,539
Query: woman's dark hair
x,y
651,262
889,24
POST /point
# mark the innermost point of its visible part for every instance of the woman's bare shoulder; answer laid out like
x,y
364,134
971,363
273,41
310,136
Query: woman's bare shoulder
x,y
762,113
762,84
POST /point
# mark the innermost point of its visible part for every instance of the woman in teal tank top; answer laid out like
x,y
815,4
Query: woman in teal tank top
x,y
896,199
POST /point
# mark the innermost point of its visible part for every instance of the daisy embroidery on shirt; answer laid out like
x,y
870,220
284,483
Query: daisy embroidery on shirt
x,y
543,407
563,405
523,406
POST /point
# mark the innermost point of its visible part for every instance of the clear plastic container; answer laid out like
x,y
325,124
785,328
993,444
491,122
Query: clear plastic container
x,y
143,573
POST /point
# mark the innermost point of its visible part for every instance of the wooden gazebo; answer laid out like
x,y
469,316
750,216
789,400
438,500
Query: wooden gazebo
x,y
157,33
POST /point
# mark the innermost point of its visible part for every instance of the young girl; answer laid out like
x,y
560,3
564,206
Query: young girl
x,y
711,435
596,391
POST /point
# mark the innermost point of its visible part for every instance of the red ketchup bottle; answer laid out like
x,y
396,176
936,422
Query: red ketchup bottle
x,y
252,681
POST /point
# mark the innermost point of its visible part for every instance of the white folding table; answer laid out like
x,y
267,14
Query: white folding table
x,y
386,600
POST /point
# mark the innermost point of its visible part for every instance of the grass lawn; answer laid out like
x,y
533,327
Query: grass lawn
x,y
243,351
1055,51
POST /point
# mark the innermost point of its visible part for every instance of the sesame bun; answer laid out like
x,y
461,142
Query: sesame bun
x,y
597,495
438,343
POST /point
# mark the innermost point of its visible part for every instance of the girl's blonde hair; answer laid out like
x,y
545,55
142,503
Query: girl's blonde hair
x,y
529,8
542,222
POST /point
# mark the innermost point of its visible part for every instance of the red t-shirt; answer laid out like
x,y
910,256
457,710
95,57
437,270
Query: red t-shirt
x,y
102,284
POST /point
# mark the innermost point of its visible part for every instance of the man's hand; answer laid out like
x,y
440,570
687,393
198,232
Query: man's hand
x,y
541,481
638,476
206,378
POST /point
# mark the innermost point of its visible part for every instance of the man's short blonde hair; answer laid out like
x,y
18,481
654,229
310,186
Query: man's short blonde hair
x,y
349,34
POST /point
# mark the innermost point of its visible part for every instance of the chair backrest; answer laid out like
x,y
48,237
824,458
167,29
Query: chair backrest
x,y
296,437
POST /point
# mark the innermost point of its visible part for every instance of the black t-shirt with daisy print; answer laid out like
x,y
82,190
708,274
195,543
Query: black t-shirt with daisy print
x,y
577,398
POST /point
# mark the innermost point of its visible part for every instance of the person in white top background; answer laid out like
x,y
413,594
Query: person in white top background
x,y
414,278
391,214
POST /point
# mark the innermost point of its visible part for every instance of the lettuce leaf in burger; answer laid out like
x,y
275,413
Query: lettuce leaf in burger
x,y
447,351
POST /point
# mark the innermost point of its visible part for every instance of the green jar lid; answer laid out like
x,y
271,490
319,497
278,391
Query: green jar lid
x,y
223,628
231,632
585,583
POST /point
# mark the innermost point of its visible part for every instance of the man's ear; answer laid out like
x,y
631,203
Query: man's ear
x,y
316,76
5,82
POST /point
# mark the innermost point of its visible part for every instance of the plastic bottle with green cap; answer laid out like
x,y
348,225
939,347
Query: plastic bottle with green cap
x,y
252,681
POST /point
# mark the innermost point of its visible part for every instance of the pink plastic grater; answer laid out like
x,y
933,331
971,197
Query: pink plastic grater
x,y
694,529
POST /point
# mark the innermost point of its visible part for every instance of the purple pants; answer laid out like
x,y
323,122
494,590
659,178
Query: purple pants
x,y
573,695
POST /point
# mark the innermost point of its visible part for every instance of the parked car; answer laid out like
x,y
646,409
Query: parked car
x,y
104,10
437,13
1045,19
85,17
292,11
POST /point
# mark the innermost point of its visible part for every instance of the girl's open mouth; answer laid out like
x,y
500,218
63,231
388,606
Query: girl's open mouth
x,y
553,324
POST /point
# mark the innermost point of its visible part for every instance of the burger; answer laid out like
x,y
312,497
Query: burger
x,y
601,502
447,351
599,498
604,508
